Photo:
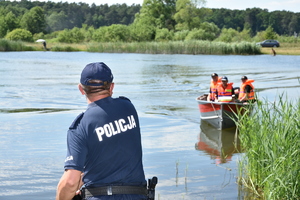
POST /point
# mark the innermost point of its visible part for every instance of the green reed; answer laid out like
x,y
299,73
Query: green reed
x,y
8,45
270,137
177,47
64,48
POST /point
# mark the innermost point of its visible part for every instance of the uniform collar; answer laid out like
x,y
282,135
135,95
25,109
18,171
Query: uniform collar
x,y
100,101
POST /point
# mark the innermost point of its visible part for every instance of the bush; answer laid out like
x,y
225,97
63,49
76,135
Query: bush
x,y
37,36
99,34
19,34
163,35
211,31
74,35
117,33
227,35
180,35
195,34
113,33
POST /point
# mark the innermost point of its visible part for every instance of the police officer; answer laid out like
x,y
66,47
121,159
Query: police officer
x,y
104,152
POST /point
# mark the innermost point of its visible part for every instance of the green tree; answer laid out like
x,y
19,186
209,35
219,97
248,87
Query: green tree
x,y
146,21
251,19
3,27
159,12
74,35
117,33
142,31
56,21
227,35
196,34
180,35
211,30
244,35
269,33
262,19
19,34
8,23
186,16
11,21
34,20
99,34
113,33
164,35
154,15
207,31
293,25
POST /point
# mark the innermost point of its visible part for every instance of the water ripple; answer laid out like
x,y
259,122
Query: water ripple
x,y
38,110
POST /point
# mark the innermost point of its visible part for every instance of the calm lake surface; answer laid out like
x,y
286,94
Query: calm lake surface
x,y
40,99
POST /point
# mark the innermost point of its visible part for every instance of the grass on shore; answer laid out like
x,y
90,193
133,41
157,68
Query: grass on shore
x,y
271,140
178,47
284,49
175,47
7,45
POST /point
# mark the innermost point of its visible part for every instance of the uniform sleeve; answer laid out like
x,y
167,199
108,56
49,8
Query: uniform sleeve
x,y
76,147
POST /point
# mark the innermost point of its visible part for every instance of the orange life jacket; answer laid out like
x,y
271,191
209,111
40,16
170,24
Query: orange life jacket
x,y
242,93
213,88
225,95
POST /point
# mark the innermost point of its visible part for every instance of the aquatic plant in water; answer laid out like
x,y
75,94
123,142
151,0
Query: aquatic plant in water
x,y
271,139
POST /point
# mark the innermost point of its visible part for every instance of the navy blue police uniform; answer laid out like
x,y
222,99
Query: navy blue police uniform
x,y
104,143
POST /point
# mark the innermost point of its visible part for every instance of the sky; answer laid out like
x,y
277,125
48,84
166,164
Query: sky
x,y
271,5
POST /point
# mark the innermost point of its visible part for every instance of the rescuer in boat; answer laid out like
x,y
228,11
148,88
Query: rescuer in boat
x,y
224,90
246,93
104,151
215,80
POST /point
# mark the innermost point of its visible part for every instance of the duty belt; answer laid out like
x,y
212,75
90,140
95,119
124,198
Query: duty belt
x,y
111,190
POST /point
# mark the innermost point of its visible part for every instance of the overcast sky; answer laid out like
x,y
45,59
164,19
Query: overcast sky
x,y
271,5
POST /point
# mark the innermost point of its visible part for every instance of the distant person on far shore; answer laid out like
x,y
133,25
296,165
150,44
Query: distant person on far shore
x,y
274,52
45,46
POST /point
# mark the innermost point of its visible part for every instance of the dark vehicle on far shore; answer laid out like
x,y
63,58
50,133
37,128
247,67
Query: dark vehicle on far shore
x,y
269,43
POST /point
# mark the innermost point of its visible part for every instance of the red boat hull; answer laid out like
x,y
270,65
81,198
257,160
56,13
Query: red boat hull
x,y
220,115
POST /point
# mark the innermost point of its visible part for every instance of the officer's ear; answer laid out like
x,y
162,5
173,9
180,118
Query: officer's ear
x,y
81,89
111,88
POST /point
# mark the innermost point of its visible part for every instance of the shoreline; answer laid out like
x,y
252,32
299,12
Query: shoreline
x,y
281,50
181,47
285,50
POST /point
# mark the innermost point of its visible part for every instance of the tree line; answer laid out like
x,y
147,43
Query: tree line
x,y
159,20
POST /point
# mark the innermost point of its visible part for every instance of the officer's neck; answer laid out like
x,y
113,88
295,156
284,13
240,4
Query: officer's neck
x,y
96,98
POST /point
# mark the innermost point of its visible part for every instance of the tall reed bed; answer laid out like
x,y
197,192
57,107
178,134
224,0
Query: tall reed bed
x,y
8,45
64,48
178,47
271,139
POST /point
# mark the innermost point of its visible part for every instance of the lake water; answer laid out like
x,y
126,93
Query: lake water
x,y
40,99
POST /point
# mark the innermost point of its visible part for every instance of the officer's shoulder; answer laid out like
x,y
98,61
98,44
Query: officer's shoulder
x,y
122,97
76,121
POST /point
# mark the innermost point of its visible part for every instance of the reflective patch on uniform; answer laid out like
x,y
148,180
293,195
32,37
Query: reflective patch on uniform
x,y
116,127
69,158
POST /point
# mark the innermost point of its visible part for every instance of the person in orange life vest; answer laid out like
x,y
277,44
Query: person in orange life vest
x,y
215,80
224,90
246,90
